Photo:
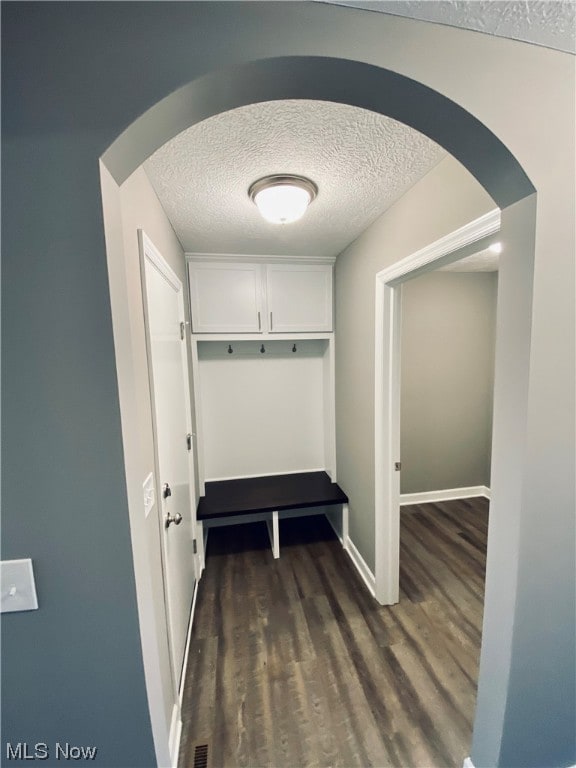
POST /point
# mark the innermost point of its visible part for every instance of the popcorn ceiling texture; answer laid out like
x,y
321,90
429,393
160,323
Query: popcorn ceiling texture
x,y
361,161
550,23
483,261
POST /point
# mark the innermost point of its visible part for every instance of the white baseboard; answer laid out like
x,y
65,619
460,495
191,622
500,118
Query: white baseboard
x,y
187,647
469,764
360,564
447,494
176,721
175,733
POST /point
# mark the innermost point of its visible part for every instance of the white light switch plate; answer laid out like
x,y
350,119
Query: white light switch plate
x,y
17,587
149,494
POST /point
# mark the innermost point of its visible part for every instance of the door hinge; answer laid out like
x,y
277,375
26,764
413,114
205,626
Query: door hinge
x,y
195,547
397,466
189,441
182,329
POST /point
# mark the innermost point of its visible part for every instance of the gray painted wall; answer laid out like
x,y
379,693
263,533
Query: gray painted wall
x,y
72,670
447,380
75,75
445,199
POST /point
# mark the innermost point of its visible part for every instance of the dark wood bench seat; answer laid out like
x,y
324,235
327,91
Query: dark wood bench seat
x,y
229,502
266,494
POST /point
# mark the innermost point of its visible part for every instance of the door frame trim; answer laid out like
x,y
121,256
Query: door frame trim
x,y
389,281
149,252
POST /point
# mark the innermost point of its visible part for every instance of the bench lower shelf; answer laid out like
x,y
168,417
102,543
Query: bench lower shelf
x,y
269,498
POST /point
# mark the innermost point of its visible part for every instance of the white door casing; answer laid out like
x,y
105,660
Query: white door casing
x,y
170,395
387,389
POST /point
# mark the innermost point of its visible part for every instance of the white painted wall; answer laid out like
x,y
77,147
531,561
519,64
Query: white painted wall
x,y
262,413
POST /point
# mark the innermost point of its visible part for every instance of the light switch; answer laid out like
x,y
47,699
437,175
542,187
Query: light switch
x,y
149,494
17,587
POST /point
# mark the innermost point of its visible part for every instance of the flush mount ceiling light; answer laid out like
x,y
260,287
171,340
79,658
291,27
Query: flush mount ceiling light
x,y
284,198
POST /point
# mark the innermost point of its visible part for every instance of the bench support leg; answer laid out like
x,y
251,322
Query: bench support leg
x,y
201,561
274,533
345,538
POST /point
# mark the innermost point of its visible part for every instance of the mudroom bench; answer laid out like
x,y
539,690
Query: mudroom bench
x,y
269,498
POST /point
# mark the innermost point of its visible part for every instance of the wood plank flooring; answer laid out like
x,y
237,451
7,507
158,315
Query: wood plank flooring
x,y
292,663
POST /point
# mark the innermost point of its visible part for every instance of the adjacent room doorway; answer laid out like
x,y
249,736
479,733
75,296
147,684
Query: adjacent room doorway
x,y
463,242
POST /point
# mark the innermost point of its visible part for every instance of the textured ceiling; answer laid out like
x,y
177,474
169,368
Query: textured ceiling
x,y
483,261
361,161
551,23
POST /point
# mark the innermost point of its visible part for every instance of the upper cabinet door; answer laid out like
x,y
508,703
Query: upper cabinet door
x,y
299,297
225,298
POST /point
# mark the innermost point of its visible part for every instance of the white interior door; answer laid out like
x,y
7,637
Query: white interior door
x,y
176,506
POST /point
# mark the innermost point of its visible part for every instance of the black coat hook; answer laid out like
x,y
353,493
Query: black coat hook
x,y
262,349
230,350
294,348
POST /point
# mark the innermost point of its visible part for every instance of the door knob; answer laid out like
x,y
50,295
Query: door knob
x,y
169,519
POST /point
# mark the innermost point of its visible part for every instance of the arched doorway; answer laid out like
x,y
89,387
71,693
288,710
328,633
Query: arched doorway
x,y
365,86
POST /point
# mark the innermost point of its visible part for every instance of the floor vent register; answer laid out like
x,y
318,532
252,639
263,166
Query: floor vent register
x,y
201,756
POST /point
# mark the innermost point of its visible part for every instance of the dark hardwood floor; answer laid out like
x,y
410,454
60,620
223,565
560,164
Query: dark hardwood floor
x,y
292,663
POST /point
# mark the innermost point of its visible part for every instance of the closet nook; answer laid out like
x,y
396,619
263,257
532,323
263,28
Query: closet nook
x,y
263,376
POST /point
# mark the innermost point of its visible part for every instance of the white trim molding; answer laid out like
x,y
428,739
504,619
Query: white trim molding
x,y
259,259
360,564
484,226
148,249
187,647
388,283
469,764
176,722
175,734
447,494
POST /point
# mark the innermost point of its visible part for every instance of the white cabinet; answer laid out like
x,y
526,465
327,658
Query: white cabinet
x,y
299,297
225,298
230,297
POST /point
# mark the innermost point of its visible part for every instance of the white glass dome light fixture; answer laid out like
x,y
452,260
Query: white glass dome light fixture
x,y
282,199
